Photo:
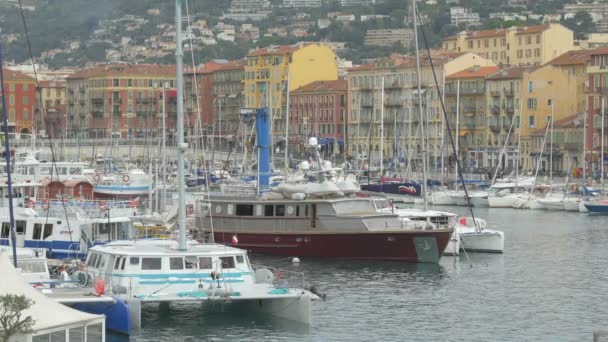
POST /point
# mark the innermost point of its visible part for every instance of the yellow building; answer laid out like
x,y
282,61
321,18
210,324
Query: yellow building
x,y
517,45
399,136
465,100
549,91
271,68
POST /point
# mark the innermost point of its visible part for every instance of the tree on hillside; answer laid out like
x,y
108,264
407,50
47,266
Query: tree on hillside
x,y
12,321
581,23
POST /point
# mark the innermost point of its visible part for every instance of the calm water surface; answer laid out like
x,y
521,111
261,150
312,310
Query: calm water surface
x,y
549,285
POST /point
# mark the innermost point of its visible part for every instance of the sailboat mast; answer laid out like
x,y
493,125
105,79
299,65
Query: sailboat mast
x,y
381,126
602,144
422,135
7,151
181,146
287,112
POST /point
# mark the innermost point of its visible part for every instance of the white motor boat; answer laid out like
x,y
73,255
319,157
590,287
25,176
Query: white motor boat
x,y
571,203
158,271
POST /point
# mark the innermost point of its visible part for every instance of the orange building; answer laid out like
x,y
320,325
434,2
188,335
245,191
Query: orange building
x,y
120,100
20,91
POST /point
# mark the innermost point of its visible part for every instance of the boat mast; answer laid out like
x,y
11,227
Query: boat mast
x,y
521,109
181,146
381,127
584,151
426,205
7,152
551,145
458,130
602,145
287,112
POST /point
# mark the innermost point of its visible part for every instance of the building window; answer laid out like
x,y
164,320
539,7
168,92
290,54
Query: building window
x,y
115,82
26,87
129,83
538,39
531,123
26,100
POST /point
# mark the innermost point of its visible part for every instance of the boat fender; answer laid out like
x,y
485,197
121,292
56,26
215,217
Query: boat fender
x,y
100,287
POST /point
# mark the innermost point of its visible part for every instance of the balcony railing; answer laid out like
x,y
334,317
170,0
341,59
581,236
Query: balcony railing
x,y
97,113
597,89
495,93
508,91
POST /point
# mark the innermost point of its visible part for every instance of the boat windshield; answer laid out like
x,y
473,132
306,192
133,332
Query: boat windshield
x,y
32,266
353,207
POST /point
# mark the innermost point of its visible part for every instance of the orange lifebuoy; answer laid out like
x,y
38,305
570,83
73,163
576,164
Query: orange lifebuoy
x,y
125,178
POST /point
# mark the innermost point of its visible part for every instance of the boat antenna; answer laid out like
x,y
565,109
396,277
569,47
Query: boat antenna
x,y
181,145
445,116
7,151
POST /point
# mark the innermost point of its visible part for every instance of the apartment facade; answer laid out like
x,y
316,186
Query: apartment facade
x,y
52,94
121,100
388,89
303,3
597,107
319,109
271,72
465,100
228,97
20,99
517,45
389,37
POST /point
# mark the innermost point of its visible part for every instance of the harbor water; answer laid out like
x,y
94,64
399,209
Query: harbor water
x,y
551,284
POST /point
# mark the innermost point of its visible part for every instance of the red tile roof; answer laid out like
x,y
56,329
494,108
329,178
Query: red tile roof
x,y
569,121
474,72
125,70
531,29
511,72
600,51
15,75
323,86
439,57
573,57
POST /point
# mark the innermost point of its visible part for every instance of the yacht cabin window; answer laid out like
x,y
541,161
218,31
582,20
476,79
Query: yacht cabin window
x,y
268,210
151,263
20,226
204,263
190,262
244,210
176,263
280,210
37,231
117,263
134,260
227,262
240,259
6,228
48,230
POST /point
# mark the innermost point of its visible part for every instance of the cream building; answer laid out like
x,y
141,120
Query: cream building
x,y
517,45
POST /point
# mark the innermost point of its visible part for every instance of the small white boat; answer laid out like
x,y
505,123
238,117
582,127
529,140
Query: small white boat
x,y
477,238
552,203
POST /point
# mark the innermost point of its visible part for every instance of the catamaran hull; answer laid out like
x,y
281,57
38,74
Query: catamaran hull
x,y
486,241
409,246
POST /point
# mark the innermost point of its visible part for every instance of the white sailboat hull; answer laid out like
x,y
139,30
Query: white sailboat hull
x,y
571,205
502,201
480,202
582,208
486,240
552,204
442,198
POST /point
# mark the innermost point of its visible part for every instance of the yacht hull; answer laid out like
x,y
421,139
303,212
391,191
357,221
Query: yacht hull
x,y
571,205
409,246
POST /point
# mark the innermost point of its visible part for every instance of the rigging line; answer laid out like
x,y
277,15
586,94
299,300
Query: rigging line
x,y
198,122
39,100
445,115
